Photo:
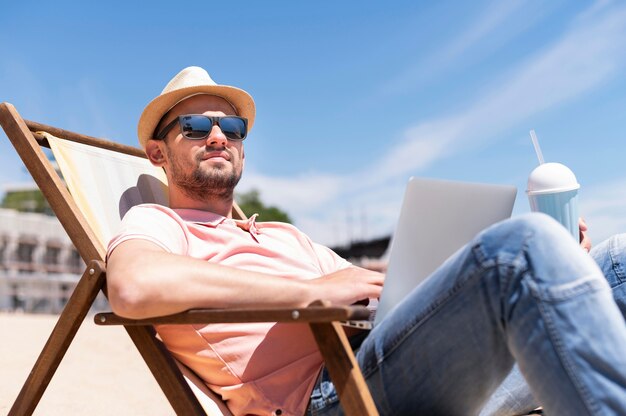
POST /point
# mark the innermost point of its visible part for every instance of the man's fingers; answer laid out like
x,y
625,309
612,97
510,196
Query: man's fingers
x,y
583,237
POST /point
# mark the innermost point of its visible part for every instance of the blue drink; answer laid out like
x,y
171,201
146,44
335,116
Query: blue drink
x,y
553,190
562,206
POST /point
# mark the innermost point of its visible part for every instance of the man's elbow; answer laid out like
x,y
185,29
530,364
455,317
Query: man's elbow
x,y
128,300
127,286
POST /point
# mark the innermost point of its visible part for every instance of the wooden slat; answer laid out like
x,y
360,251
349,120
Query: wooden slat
x,y
165,371
344,371
206,316
60,339
237,213
51,186
81,138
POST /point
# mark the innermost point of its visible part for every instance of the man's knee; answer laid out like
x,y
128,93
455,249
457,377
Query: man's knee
x,y
538,224
537,249
534,230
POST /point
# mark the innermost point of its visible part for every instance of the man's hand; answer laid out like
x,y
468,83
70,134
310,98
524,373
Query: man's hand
x,y
585,241
348,286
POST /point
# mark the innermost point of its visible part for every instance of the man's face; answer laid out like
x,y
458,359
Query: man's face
x,y
202,168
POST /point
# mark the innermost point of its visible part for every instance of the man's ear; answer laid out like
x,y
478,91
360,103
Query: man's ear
x,y
155,152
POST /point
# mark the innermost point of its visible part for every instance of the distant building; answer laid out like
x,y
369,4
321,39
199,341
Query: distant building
x,y
39,266
370,254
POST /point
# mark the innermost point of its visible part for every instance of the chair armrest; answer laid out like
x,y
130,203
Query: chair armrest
x,y
317,312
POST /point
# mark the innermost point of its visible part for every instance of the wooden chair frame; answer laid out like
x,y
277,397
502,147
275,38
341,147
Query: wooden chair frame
x,y
323,320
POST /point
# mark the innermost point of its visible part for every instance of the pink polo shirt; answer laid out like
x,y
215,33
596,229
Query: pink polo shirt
x,y
257,368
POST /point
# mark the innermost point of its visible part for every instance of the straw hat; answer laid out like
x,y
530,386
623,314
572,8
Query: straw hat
x,y
191,81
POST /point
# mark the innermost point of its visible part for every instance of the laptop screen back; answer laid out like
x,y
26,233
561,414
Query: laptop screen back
x,y
437,218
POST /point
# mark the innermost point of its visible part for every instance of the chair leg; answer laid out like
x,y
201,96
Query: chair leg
x,y
344,371
165,371
60,339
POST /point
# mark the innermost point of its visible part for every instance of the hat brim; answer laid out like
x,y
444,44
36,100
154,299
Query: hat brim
x,y
154,111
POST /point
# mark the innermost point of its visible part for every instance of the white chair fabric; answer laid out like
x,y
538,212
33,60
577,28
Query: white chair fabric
x,y
105,185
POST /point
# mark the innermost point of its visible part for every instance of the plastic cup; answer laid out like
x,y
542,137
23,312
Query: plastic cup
x,y
553,190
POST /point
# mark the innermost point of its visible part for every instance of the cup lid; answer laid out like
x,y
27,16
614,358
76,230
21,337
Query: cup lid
x,y
551,177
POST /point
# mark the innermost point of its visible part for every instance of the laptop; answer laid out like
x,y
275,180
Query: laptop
x,y
437,218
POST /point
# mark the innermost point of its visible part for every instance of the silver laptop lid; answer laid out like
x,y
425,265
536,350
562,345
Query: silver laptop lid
x,y
437,218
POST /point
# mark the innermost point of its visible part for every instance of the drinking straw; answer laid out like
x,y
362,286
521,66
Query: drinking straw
x,y
533,137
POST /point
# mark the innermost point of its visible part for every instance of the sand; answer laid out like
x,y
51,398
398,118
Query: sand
x,y
101,374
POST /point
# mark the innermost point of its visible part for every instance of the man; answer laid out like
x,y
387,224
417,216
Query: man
x,y
522,291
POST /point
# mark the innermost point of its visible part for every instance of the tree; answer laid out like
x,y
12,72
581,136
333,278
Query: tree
x,y
250,203
27,200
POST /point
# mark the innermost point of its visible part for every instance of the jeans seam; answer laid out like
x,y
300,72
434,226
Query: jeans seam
x,y
486,264
615,264
414,324
559,347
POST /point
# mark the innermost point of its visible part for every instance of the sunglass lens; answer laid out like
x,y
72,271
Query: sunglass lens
x,y
196,127
233,127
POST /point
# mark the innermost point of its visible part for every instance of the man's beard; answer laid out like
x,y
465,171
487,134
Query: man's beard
x,y
201,185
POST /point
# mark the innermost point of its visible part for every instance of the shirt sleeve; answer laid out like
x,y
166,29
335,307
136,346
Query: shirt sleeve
x,y
154,223
329,261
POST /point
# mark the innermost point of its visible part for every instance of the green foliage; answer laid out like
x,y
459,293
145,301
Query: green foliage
x,y
250,203
30,200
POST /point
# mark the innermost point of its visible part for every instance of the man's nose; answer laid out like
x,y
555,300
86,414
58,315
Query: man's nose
x,y
216,137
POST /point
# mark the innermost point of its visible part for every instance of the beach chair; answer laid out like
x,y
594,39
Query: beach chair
x,y
104,180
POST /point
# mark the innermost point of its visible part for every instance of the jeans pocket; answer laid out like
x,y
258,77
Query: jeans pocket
x,y
324,394
569,290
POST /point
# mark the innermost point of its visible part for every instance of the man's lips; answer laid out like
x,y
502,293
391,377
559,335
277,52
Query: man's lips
x,y
216,155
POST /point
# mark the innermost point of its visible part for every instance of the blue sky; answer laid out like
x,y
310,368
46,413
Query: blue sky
x,y
352,97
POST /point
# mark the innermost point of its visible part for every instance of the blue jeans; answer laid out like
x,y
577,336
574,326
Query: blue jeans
x,y
522,292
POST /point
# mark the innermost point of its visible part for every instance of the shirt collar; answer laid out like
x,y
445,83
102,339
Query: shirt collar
x,y
249,225
201,217
212,220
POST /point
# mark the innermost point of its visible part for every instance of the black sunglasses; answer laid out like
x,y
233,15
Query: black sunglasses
x,y
198,126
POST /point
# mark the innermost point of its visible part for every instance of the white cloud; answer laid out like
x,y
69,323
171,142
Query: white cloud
x,y
585,57
422,145
488,27
497,13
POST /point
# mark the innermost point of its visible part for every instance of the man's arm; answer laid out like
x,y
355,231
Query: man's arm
x,y
145,281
